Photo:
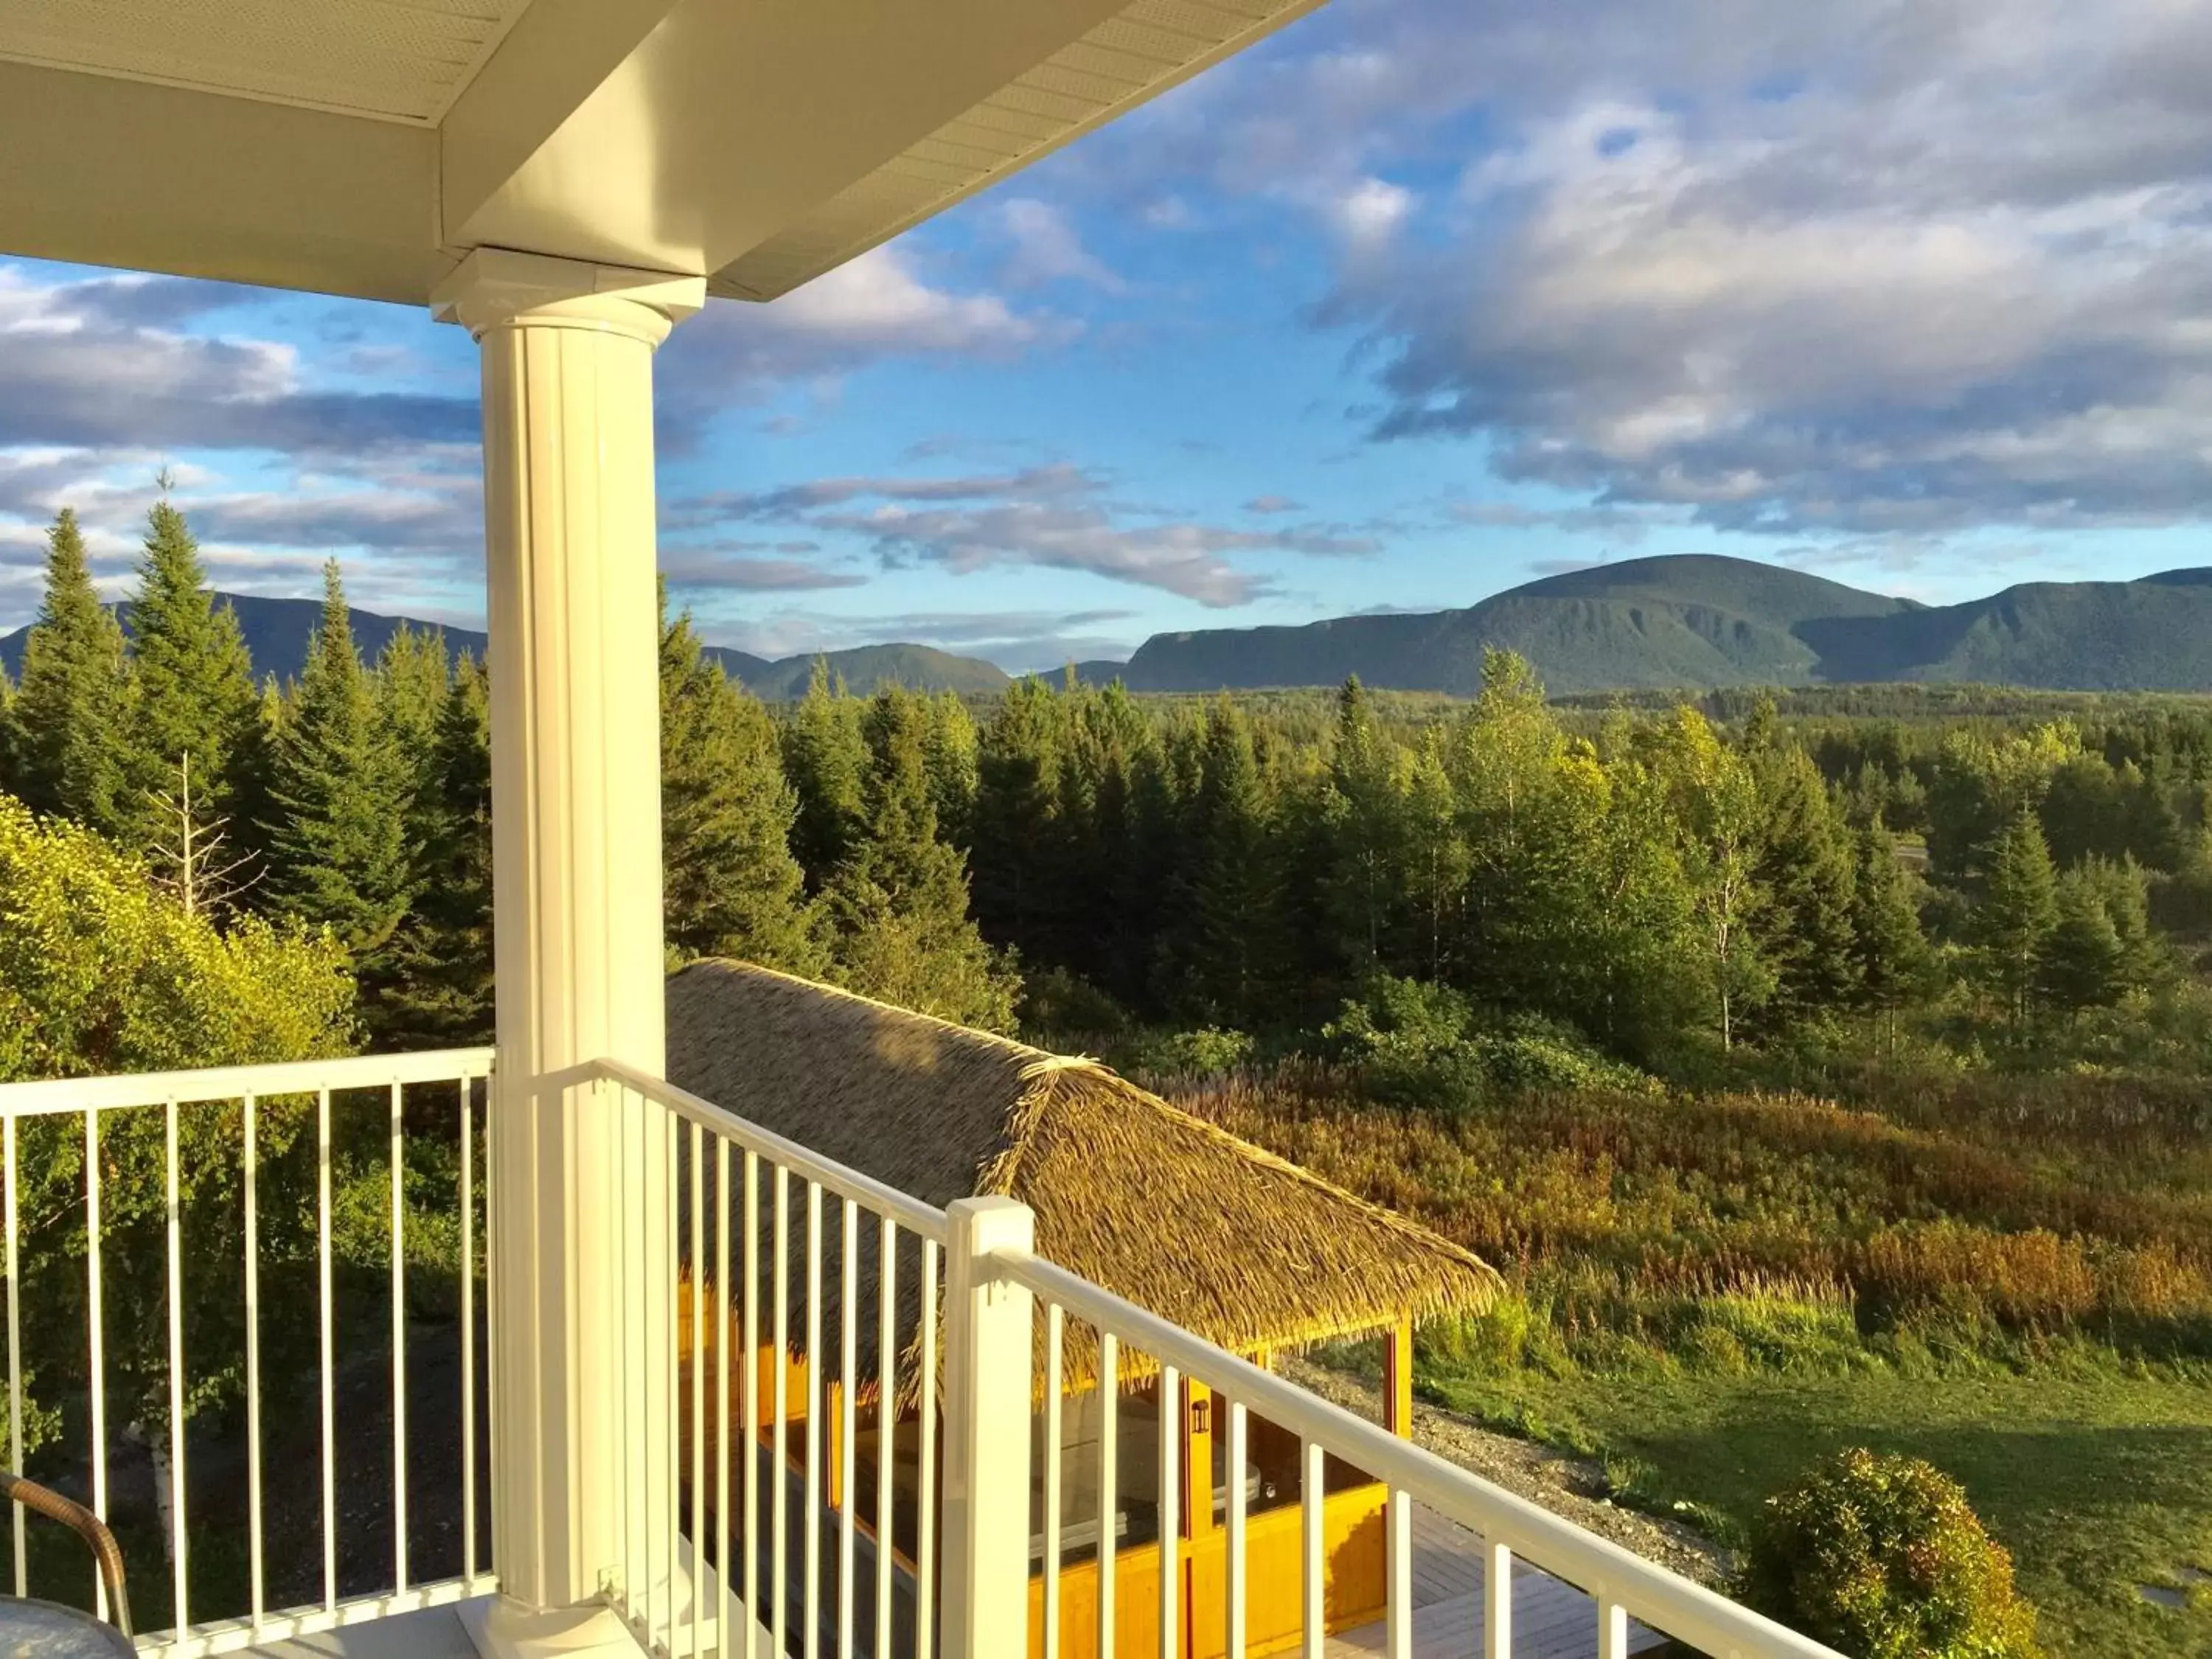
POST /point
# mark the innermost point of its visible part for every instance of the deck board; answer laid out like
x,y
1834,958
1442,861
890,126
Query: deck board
x,y
1552,1620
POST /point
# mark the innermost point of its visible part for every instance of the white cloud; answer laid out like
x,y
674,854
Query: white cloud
x,y
1047,249
874,307
1057,517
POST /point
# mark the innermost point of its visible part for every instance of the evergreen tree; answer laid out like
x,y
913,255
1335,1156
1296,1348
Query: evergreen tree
x,y
949,751
898,904
340,852
65,716
1108,739
1807,869
2018,910
412,678
1224,945
825,759
1436,865
1017,829
440,988
1369,779
1894,967
191,686
2080,962
732,886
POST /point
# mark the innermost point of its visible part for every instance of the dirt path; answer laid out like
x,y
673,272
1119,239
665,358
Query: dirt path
x,y
1573,1488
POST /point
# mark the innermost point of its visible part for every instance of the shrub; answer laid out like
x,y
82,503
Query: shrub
x,y
1882,1558
1419,1044
1207,1052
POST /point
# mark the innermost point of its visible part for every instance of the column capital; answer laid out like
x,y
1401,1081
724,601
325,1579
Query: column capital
x,y
500,288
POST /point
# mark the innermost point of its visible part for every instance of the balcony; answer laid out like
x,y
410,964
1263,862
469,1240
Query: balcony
x,y
929,1525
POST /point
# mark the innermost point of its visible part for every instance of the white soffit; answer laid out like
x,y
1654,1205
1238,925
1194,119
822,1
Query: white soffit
x,y
396,60
1135,55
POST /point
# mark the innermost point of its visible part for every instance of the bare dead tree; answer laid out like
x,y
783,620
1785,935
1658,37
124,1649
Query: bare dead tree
x,y
192,861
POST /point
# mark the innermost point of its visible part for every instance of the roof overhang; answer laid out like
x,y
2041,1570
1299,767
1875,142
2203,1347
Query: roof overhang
x,y
364,146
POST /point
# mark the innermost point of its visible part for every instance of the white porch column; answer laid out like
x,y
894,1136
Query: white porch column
x,y
576,886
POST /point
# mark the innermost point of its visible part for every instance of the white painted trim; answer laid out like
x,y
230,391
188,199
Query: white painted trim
x,y
298,1076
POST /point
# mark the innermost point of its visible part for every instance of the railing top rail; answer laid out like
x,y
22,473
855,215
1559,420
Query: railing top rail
x,y
925,1220
78,1094
1663,1600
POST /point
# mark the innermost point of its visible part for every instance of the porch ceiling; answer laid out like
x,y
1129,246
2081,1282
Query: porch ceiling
x,y
362,147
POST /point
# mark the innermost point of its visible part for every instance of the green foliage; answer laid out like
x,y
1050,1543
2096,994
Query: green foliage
x,y
1892,966
897,905
192,688
438,989
733,888
825,758
340,851
2018,912
64,717
1424,1044
1882,1558
101,972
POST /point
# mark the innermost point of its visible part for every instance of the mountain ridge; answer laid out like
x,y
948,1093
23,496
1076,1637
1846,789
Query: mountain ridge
x,y
1701,622
277,632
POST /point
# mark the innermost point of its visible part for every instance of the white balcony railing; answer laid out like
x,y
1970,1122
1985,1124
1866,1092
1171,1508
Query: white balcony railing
x,y
806,1468
237,1183
798,1236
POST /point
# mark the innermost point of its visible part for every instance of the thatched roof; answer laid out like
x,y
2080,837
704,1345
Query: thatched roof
x,y
1182,1217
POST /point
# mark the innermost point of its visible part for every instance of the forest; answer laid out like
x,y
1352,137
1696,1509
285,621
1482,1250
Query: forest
x,y
1785,1049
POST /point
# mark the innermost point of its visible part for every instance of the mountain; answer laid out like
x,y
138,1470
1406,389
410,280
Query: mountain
x,y
918,667
277,632
1696,622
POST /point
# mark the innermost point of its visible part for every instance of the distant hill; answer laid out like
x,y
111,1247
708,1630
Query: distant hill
x,y
1703,622
918,667
277,632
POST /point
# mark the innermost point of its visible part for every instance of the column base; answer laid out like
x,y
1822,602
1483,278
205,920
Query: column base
x,y
502,1629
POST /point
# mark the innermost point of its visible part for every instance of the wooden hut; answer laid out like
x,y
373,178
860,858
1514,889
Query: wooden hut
x,y
1174,1213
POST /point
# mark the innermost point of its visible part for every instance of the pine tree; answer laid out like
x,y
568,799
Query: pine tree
x,y
2019,908
1895,966
949,755
2080,962
825,758
732,887
1807,870
440,988
1016,823
191,686
412,676
339,849
1224,948
1437,867
898,904
66,714
1370,779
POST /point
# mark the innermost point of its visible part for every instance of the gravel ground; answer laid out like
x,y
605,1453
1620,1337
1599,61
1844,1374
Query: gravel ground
x,y
1573,1488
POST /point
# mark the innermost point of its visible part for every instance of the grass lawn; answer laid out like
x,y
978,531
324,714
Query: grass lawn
x,y
2098,1484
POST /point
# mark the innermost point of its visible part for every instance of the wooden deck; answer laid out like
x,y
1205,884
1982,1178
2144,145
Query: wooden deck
x,y
1550,1619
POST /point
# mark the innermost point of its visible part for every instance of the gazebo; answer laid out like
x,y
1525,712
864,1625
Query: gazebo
x,y
1245,1249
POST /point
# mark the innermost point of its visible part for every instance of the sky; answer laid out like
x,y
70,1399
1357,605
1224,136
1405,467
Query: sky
x,y
1418,301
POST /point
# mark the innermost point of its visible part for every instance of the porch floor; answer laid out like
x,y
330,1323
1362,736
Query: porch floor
x,y
435,1633
1550,1619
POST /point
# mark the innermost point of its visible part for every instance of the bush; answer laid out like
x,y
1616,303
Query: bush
x,y
1207,1052
1419,1044
1882,1558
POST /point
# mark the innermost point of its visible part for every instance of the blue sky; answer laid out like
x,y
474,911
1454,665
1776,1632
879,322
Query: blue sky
x,y
1420,300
